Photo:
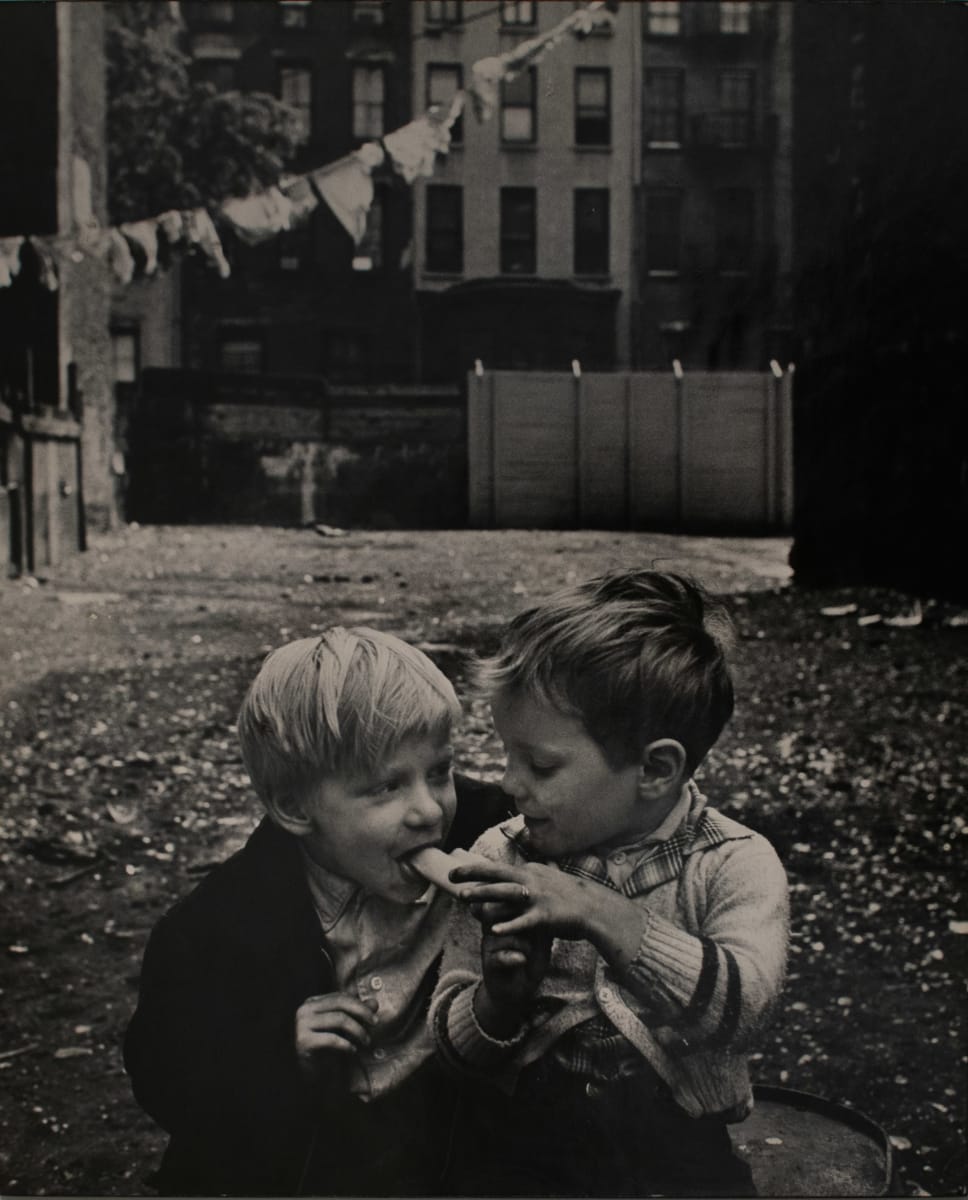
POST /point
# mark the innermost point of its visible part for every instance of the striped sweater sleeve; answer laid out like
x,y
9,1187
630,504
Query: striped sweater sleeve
x,y
716,986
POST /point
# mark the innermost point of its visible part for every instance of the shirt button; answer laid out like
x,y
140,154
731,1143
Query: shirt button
x,y
605,994
379,1054
618,857
376,983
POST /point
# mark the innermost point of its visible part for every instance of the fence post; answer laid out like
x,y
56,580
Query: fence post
x,y
577,442
785,449
771,438
680,444
627,415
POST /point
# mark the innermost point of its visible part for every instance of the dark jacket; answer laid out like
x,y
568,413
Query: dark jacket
x,y
210,1049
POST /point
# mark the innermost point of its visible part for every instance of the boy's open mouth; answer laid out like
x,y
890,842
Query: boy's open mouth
x,y
408,869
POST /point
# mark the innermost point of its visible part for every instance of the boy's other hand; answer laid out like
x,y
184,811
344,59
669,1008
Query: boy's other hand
x,y
512,967
333,1022
539,897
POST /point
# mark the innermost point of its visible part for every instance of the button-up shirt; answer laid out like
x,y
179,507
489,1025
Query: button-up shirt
x,y
387,952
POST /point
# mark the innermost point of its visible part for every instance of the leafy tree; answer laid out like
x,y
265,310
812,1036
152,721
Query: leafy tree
x,y
174,142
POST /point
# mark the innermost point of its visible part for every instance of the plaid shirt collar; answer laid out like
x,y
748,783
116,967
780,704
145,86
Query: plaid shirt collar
x,y
658,860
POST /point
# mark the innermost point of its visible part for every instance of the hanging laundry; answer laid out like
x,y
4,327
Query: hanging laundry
x,y
258,217
144,235
9,259
487,74
119,256
200,231
171,225
301,195
413,149
47,271
347,188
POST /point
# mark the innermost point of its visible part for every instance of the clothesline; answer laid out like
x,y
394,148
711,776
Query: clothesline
x,y
345,185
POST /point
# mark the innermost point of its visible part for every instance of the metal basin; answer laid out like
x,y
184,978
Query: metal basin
x,y
802,1145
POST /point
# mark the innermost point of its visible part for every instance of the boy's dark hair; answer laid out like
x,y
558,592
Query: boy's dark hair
x,y
635,654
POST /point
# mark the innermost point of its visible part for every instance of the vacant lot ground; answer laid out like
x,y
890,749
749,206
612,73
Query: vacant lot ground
x,y
121,783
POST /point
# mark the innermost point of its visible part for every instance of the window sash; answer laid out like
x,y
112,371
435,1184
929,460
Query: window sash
x,y
735,16
664,108
296,90
368,97
591,231
664,18
517,12
444,250
519,108
736,96
593,125
442,12
518,231
443,80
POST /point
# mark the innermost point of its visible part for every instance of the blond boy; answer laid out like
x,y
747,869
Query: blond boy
x,y
280,1036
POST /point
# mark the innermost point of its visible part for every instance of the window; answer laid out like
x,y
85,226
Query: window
x,y
125,355
736,107
221,73
445,228
591,231
368,91
734,229
369,253
663,18
294,14
593,106
368,12
518,231
218,12
241,351
519,107
443,80
517,12
442,12
296,90
663,232
734,16
664,90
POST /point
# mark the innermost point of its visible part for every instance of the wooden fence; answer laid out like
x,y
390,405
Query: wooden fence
x,y
703,450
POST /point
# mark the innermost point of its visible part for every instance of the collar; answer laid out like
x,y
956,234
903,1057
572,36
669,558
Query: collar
x,y
331,893
690,828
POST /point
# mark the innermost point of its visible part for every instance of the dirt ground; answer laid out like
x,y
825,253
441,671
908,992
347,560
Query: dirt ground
x,y
121,783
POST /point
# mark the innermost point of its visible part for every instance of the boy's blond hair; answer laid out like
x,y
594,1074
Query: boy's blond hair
x,y
635,654
338,704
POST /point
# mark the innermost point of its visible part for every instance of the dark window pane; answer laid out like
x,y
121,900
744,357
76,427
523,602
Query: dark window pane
x,y
664,89
443,80
518,237
518,110
442,12
445,228
517,12
591,231
663,233
241,352
593,124
736,92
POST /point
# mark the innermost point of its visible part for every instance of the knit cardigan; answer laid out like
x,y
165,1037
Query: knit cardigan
x,y
708,970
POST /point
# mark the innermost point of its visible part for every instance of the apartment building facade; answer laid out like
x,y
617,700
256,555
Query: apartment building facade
x,y
523,247
714,236
309,301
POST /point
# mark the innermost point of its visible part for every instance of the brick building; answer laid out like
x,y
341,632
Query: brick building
x,y
309,302
522,238
713,274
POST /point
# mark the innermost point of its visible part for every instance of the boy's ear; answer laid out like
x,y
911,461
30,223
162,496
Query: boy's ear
x,y
289,813
663,766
